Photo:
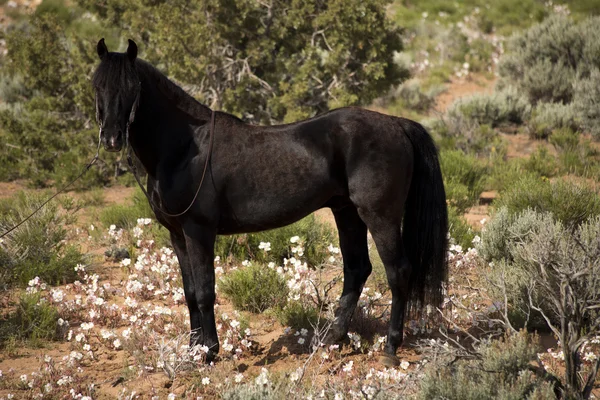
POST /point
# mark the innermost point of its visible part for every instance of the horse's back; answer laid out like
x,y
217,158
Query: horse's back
x,y
282,173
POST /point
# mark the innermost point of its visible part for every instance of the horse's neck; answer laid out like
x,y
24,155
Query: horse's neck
x,y
160,129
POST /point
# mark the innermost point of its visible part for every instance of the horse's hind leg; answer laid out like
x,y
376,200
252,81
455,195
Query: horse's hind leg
x,y
387,235
357,267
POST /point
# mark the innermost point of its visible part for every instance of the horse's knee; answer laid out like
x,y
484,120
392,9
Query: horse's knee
x,y
205,300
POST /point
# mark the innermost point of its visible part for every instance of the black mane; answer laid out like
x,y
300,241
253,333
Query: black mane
x,y
118,72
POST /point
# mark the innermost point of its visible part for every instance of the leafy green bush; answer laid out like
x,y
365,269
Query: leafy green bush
x,y
464,177
542,163
297,315
34,321
503,107
254,288
37,248
461,232
504,173
546,117
314,235
569,202
312,56
576,154
501,372
48,126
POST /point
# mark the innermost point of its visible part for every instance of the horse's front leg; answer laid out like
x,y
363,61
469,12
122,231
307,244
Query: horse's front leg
x,y
200,241
185,265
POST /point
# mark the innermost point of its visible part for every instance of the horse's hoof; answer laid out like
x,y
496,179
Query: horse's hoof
x,y
388,360
333,338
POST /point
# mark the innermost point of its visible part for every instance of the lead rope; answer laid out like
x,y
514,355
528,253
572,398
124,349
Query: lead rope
x,y
87,167
211,129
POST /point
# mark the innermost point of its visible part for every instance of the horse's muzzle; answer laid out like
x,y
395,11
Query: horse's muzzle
x,y
113,143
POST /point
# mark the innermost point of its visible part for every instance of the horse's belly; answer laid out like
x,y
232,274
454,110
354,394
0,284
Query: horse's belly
x,y
269,210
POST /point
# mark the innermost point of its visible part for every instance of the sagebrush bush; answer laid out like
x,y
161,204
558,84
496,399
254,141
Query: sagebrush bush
x,y
33,321
506,229
557,62
455,131
254,288
544,61
501,372
38,247
569,202
501,107
410,96
547,117
505,241
547,275
587,103
464,177
315,236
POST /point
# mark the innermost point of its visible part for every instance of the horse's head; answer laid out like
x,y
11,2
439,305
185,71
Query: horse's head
x,y
117,88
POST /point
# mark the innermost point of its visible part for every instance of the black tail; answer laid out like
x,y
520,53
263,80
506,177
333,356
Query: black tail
x,y
425,227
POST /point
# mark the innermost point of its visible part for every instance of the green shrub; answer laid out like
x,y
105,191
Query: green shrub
x,y
500,372
34,321
547,117
569,202
504,173
37,248
576,154
254,288
314,234
464,177
93,198
459,229
298,315
503,107
542,163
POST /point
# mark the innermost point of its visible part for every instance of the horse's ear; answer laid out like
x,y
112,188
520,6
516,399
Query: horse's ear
x,y
101,49
131,50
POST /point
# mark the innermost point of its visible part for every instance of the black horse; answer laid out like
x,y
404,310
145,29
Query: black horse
x,y
374,171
